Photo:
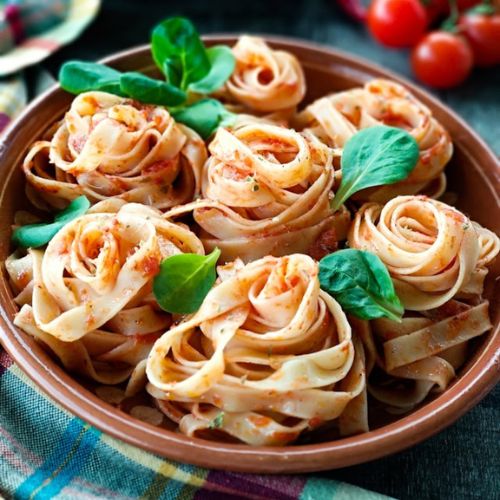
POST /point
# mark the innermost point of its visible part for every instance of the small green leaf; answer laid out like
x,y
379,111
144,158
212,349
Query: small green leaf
x,y
217,422
150,91
222,62
184,281
361,284
36,235
79,76
173,72
205,116
176,42
373,157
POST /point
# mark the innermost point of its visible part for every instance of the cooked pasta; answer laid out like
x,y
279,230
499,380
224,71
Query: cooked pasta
x,y
437,258
432,251
270,344
88,295
110,146
267,347
266,191
408,360
265,80
337,117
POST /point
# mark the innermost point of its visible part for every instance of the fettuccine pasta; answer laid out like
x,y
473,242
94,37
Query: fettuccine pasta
x,y
266,191
111,146
90,297
337,117
265,80
190,292
268,348
432,251
408,360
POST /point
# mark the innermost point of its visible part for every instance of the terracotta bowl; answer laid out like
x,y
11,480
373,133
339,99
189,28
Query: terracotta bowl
x,y
474,176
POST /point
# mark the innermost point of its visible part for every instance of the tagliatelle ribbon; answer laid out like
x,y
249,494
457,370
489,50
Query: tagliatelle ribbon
x,y
337,117
109,146
266,345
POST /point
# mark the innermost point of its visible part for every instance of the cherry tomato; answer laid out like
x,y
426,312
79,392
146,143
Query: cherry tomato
x,y
397,23
483,33
442,59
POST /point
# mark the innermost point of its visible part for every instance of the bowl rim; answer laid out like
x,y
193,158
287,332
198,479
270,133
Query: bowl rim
x,y
440,412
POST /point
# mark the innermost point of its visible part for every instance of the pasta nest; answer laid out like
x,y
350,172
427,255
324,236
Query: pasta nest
x,y
433,252
266,191
264,79
267,347
109,146
88,296
337,117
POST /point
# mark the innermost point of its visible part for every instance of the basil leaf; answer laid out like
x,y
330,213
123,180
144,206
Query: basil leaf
x,y
222,62
175,41
361,284
79,76
205,116
173,72
150,91
184,281
373,157
36,235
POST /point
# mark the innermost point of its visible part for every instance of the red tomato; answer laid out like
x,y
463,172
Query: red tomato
x,y
483,33
442,59
397,23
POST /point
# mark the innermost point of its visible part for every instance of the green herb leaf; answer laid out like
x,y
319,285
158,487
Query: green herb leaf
x,y
373,157
217,422
150,91
361,284
184,281
36,235
205,116
222,62
172,70
175,43
79,76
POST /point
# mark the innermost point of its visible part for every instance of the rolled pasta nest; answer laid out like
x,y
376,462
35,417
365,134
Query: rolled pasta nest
x,y
88,295
267,348
266,190
337,117
108,146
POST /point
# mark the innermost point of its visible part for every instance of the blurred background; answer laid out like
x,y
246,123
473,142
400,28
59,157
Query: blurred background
x,y
462,461
125,23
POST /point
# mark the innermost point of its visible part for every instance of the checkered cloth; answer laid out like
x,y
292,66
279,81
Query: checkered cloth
x,y
45,452
34,29
30,31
